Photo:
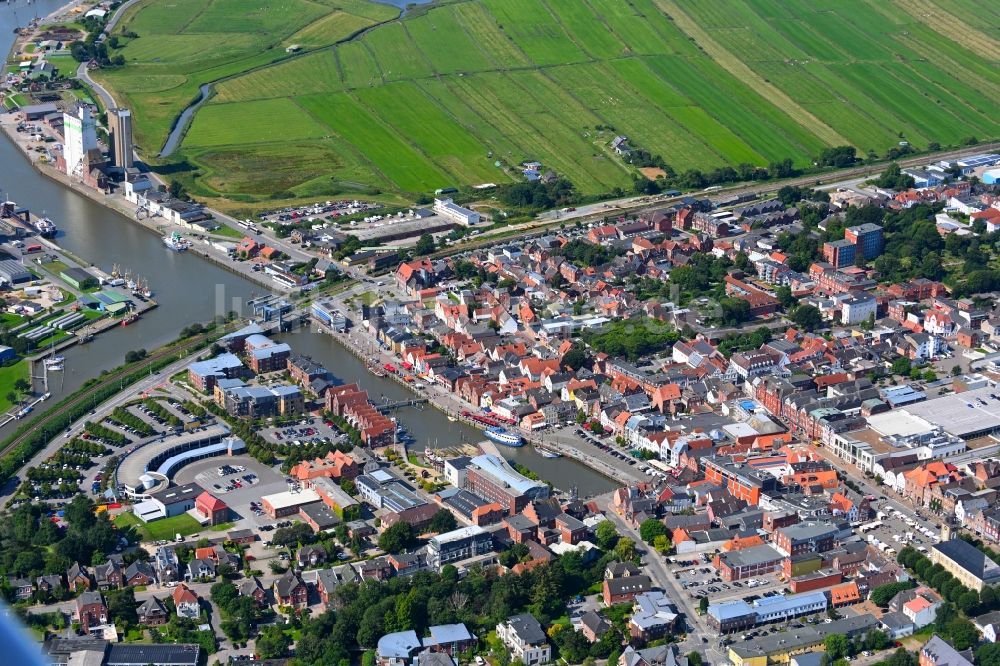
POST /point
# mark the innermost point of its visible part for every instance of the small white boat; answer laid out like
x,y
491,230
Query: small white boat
x,y
176,242
55,360
545,453
46,396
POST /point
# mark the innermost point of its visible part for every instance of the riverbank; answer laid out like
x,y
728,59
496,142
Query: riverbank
x,y
122,207
439,401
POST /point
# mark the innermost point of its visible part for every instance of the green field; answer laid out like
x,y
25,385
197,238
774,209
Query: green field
x,y
436,98
182,44
8,375
165,528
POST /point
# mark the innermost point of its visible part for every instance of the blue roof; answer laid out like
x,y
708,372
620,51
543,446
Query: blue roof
x,y
447,633
267,352
499,469
400,644
729,610
243,332
781,603
215,366
168,465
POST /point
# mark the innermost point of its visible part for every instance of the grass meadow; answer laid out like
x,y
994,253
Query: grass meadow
x,y
434,99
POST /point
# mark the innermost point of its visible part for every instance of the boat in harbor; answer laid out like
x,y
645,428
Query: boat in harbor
x,y
54,361
500,435
89,337
176,242
545,453
45,227
131,319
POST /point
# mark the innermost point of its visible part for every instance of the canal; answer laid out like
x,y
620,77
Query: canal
x,y
190,289
430,427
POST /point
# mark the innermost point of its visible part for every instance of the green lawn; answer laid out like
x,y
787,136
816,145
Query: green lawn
x,y
55,267
228,232
56,337
10,320
165,528
8,375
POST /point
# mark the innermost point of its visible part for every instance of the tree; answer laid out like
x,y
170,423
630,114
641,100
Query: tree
x,y
807,317
442,521
625,550
883,594
988,655
785,297
662,544
121,606
703,605
425,245
735,311
963,633
901,366
273,642
967,601
945,614
988,598
575,358
836,646
894,179
607,535
652,528
397,538
838,156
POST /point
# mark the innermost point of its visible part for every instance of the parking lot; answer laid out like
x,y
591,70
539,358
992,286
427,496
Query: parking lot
x,y
206,474
306,431
701,580
895,532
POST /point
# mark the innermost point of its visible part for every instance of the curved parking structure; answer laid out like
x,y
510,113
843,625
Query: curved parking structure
x,y
147,467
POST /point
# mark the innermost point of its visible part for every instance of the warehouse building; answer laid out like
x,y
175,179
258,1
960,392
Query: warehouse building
x,y
13,272
748,562
79,278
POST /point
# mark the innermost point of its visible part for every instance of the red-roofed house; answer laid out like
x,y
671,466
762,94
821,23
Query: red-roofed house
x,y
214,510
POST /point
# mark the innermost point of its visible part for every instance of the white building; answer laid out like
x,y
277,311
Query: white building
x,y
80,131
858,309
451,210
523,636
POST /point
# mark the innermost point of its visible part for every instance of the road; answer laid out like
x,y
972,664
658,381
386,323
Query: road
x,y
848,177
656,568
98,412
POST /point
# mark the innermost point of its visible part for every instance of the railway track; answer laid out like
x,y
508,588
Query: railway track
x,y
652,203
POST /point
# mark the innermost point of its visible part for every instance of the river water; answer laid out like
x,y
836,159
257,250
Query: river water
x,y
190,289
